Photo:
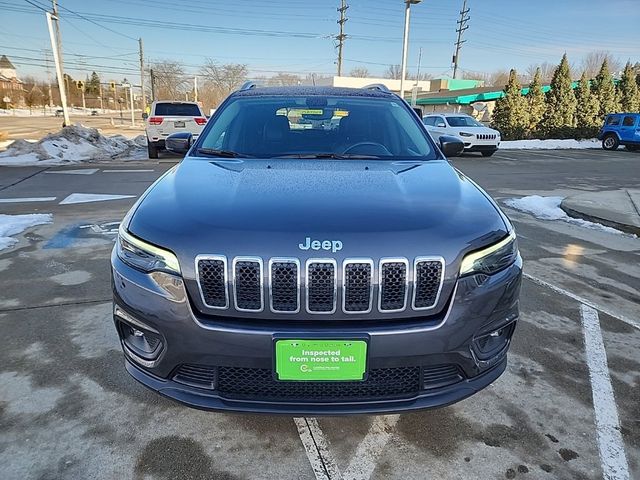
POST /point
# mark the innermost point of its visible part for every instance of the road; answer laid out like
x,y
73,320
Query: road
x,y
69,410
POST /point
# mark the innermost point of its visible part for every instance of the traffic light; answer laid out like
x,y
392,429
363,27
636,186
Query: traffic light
x,y
80,85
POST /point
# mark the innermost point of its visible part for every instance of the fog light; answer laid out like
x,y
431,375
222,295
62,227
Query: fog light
x,y
141,343
145,344
494,342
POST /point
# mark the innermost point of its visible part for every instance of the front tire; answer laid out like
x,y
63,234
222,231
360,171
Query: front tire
x,y
488,154
152,150
610,142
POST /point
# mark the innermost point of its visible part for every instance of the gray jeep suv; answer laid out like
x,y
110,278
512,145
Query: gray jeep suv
x,y
315,253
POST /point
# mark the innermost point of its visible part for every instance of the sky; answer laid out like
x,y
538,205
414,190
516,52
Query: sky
x,y
295,36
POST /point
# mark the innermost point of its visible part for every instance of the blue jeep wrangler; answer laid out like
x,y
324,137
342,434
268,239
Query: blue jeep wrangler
x,y
621,129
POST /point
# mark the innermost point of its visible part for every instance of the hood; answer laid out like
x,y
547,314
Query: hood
x,y
269,207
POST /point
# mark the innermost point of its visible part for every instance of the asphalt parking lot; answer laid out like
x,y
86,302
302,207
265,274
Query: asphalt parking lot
x,y
568,406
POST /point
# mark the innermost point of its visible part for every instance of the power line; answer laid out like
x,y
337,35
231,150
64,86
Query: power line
x,y
98,24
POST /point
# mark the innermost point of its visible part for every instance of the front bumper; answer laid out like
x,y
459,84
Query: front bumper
x,y
480,147
159,302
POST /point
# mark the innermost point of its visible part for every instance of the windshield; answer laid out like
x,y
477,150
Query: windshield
x,y
463,122
316,126
177,109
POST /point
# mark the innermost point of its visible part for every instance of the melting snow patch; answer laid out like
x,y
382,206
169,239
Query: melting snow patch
x,y
15,224
548,208
70,145
550,144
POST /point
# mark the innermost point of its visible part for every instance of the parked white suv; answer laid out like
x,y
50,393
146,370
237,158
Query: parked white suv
x,y
475,136
172,117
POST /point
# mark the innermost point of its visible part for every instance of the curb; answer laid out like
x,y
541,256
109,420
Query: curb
x,y
604,221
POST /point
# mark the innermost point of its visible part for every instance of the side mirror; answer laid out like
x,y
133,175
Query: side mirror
x,y
179,143
451,146
418,111
145,115
441,125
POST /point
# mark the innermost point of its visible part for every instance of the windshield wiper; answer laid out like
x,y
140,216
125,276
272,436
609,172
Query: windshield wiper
x,y
336,156
212,152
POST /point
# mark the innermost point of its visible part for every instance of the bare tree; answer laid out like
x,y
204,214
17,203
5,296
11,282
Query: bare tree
x,y
498,78
546,71
284,79
317,79
394,72
359,72
592,62
169,80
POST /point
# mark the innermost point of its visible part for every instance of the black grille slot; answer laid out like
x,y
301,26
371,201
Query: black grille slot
x,y
441,376
427,284
199,376
357,287
393,286
258,383
321,287
212,283
248,285
284,286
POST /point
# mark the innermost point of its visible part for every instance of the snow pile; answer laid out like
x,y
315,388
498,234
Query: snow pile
x,y
548,208
550,144
15,224
73,144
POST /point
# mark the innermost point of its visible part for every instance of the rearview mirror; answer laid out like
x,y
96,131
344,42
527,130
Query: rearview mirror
x,y
451,146
179,143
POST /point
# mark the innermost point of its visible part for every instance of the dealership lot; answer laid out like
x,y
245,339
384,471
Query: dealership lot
x,y
69,410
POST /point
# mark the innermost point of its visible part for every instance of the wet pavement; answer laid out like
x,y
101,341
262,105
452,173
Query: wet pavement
x,y
68,409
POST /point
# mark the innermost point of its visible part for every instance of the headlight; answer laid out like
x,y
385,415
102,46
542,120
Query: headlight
x,y
144,256
465,134
491,259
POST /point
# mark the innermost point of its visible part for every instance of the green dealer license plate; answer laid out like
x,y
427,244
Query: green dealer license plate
x,y
321,359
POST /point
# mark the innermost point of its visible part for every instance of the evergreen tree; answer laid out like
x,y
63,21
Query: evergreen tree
x,y
535,104
510,113
629,97
559,117
587,119
605,90
92,84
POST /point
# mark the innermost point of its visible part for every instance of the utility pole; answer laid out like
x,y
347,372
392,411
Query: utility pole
x,y
144,97
414,90
58,62
341,36
195,88
462,26
101,101
153,85
405,42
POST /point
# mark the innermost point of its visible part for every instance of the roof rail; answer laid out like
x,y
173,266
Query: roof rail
x,y
377,86
248,85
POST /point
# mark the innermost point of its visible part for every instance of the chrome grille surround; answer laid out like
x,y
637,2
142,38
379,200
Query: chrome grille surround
x,y
258,261
284,260
382,280
345,279
416,262
397,273
321,261
223,259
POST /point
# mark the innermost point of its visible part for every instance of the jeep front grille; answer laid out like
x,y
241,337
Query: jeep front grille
x,y
394,284
357,286
284,275
319,286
